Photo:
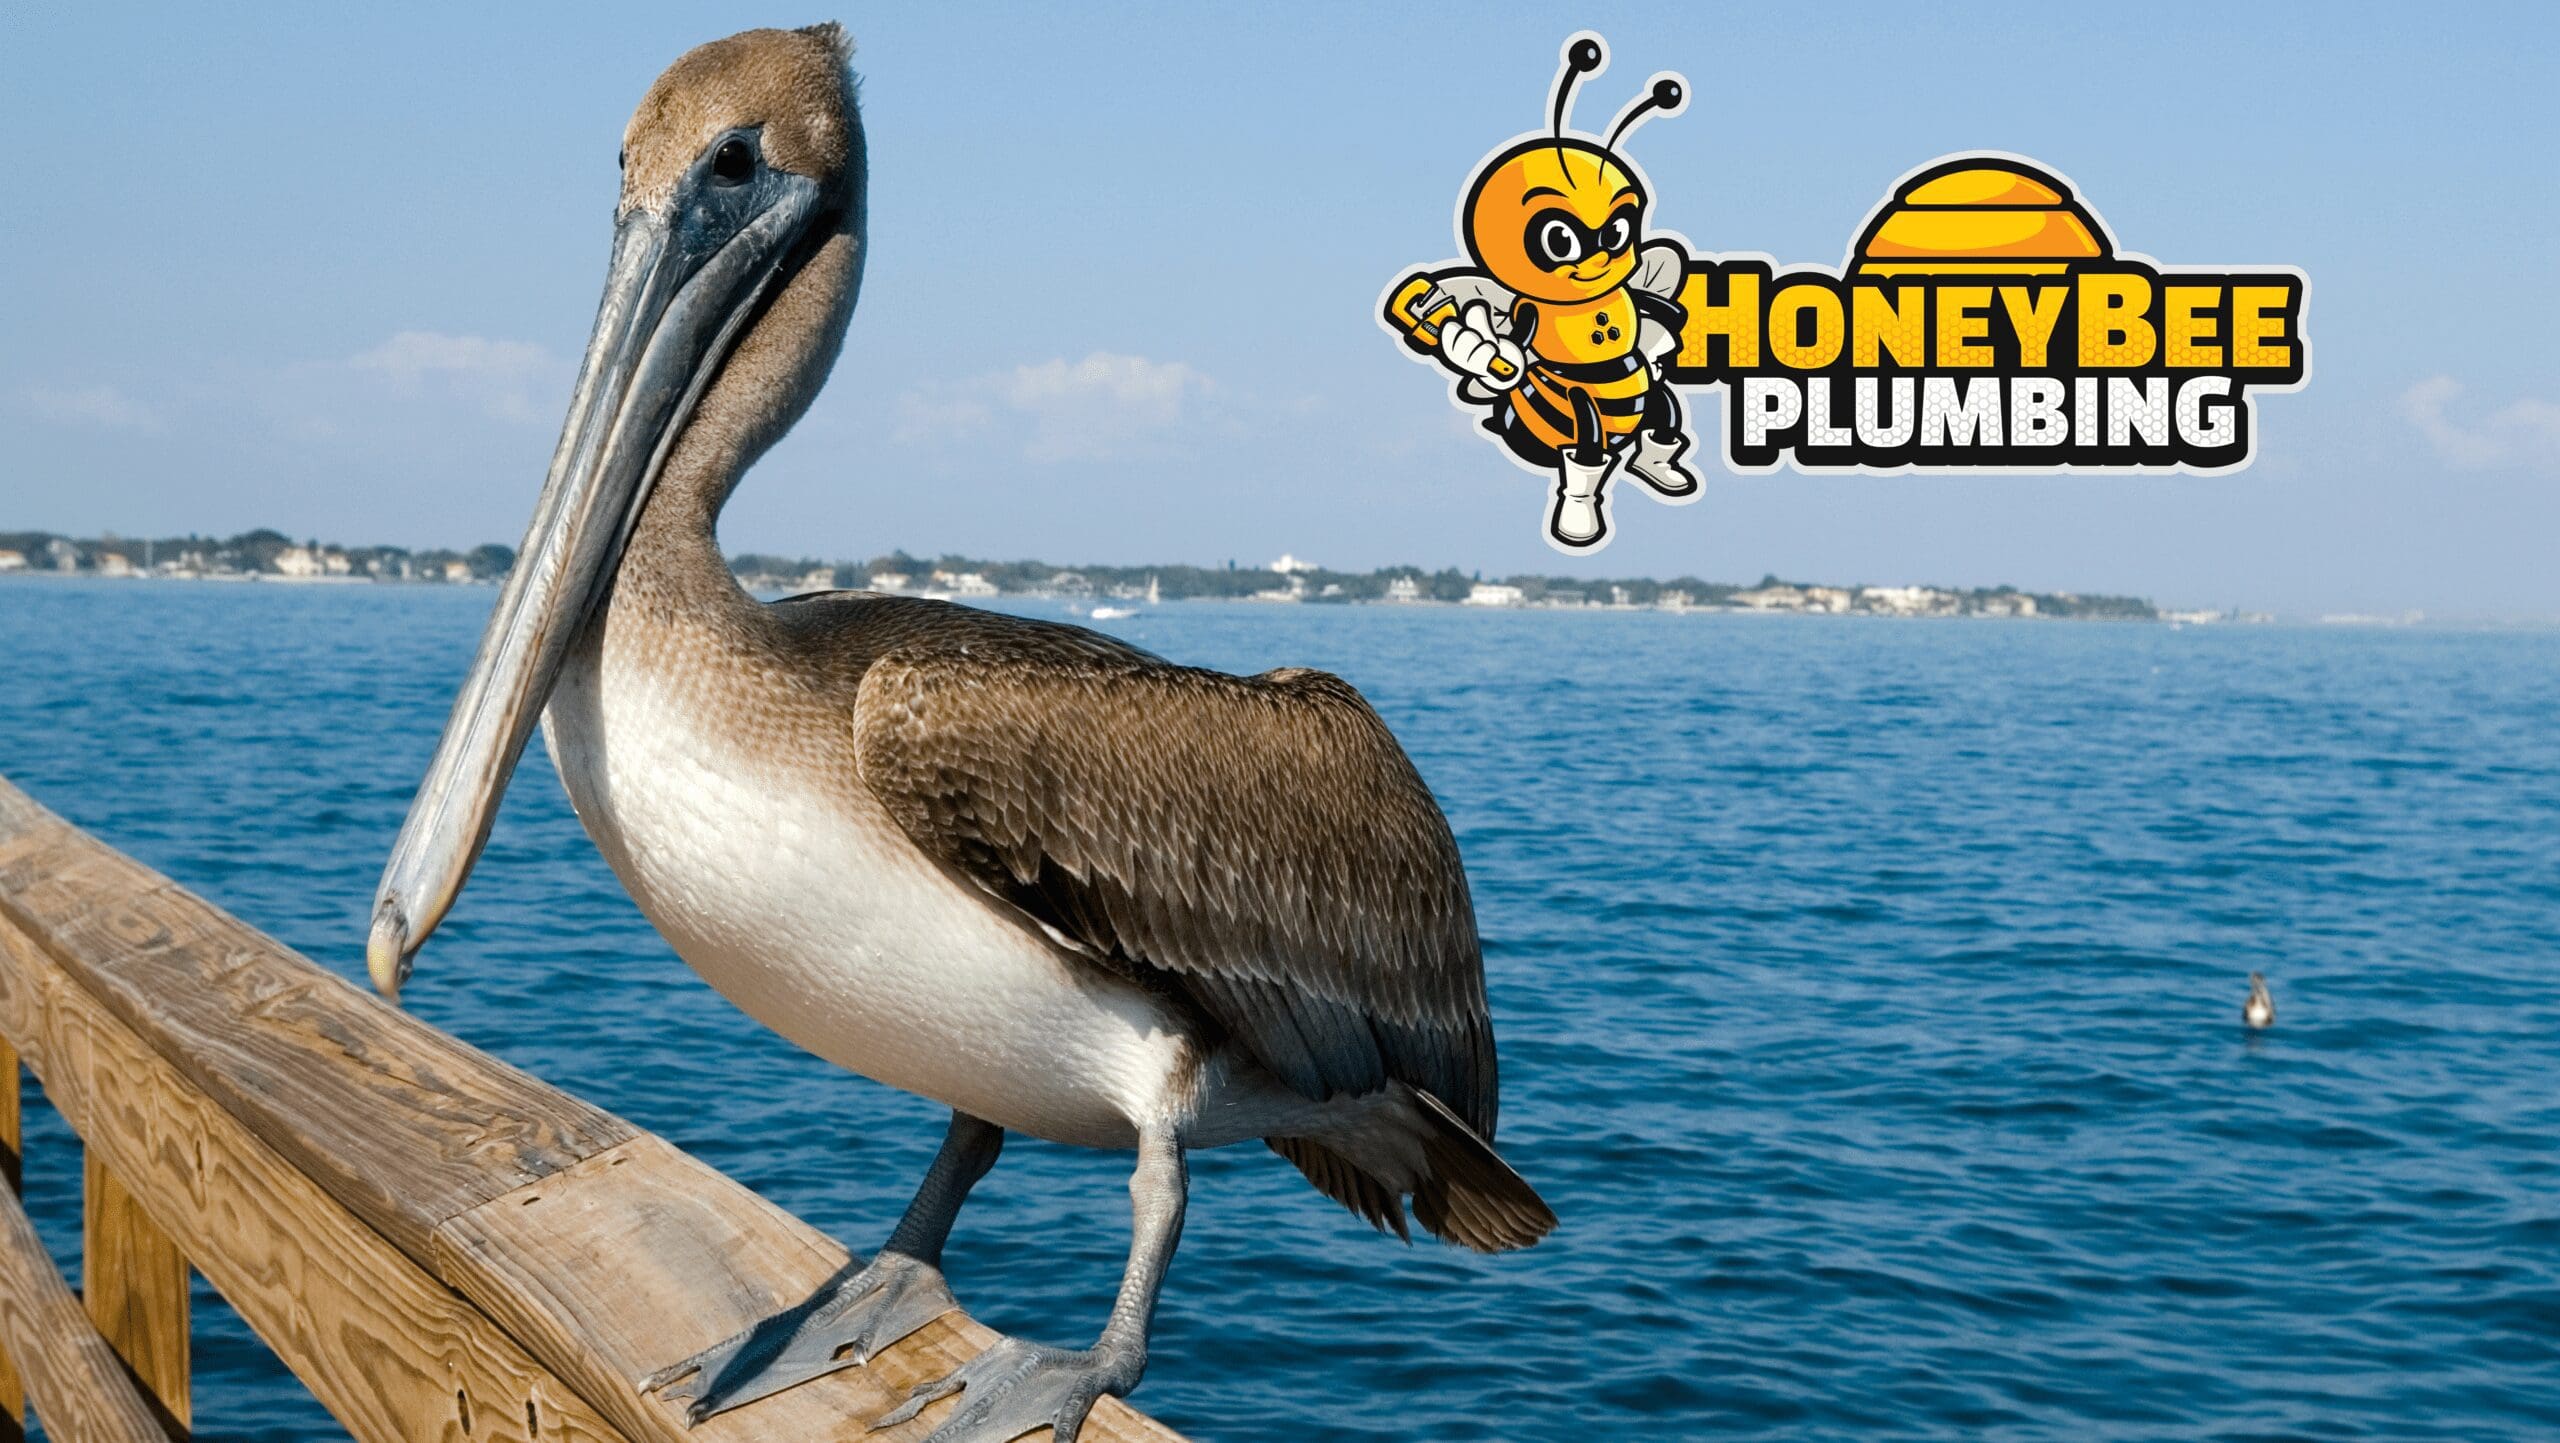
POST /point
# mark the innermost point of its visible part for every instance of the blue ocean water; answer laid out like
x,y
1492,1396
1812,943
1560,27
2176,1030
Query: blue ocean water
x,y
1868,995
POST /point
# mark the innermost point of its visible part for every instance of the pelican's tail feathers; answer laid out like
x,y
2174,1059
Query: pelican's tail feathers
x,y
1337,1178
1471,1197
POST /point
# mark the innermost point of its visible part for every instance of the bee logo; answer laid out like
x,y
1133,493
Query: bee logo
x,y
1560,320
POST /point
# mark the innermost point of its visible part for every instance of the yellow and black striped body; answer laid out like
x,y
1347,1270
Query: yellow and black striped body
x,y
1587,346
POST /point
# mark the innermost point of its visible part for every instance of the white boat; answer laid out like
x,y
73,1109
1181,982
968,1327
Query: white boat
x,y
1113,613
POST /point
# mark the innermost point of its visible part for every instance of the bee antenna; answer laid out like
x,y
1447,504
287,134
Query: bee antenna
x,y
1668,95
1583,55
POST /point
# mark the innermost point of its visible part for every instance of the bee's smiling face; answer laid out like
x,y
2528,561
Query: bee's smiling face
x,y
1556,221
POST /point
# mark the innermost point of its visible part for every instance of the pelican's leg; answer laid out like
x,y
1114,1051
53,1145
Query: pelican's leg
x,y
850,1320
1016,1387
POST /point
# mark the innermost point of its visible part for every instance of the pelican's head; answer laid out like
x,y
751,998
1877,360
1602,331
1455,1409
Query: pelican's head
x,y
736,253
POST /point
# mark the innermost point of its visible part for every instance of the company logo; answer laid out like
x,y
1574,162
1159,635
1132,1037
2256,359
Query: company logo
x,y
1984,319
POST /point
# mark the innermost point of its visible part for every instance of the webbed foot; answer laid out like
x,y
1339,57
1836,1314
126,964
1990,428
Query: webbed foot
x,y
1016,1387
842,1326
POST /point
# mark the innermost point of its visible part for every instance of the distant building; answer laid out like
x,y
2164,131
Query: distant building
x,y
889,581
63,555
965,583
1780,597
1070,583
337,563
115,563
457,570
818,578
1404,588
1289,565
13,561
1906,600
1673,600
1485,593
298,562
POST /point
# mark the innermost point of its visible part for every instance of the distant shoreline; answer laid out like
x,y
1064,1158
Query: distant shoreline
x,y
271,556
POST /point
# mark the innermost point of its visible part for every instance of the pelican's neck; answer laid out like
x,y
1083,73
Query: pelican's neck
x,y
673,565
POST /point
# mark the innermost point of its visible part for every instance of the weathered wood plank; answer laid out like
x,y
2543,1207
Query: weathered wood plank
x,y
13,1393
133,1280
13,1390
347,1130
640,1257
82,1394
387,1348
402,1123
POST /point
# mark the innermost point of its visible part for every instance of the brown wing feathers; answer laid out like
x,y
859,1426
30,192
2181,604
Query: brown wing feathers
x,y
1259,845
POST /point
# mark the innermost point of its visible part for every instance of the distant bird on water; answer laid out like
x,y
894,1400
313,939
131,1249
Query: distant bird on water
x,y
1058,884
2260,1009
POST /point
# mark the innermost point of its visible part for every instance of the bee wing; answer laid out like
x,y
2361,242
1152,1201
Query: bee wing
x,y
1659,267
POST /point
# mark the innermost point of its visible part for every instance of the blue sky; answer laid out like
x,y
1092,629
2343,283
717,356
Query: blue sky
x,y
327,268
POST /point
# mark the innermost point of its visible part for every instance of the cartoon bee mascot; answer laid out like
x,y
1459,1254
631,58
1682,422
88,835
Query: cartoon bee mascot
x,y
1561,324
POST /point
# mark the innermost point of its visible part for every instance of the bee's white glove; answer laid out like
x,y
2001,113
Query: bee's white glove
x,y
1469,345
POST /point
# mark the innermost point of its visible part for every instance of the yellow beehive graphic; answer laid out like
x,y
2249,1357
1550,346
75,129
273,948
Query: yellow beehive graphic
x,y
1979,216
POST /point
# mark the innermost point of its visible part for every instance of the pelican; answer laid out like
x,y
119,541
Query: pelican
x,y
2260,1009
1058,884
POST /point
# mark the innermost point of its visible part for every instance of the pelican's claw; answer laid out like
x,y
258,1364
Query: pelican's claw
x,y
841,1326
1015,1388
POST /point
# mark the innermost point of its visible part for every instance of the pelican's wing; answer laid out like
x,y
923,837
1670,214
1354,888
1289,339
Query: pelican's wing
x,y
1258,845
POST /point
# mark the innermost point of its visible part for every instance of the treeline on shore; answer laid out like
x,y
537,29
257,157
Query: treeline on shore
x,y
262,552
266,552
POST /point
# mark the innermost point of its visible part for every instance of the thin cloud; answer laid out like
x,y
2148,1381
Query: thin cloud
x,y
1103,407
503,378
103,406
2527,430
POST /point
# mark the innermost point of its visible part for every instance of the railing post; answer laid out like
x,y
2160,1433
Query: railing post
x,y
13,1393
135,1282
10,1171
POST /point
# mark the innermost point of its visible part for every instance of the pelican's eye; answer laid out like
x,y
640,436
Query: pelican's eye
x,y
733,162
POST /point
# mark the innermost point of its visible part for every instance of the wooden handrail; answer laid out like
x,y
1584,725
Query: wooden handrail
x,y
430,1238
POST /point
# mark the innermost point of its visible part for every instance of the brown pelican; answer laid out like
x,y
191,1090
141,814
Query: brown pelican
x,y
2260,1009
1058,884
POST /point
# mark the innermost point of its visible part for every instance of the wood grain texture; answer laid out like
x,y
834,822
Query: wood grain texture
x,y
13,1393
388,1349
133,1280
82,1393
643,1256
402,1123
440,1246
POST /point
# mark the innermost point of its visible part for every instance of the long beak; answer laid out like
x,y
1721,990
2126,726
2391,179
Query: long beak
x,y
682,285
